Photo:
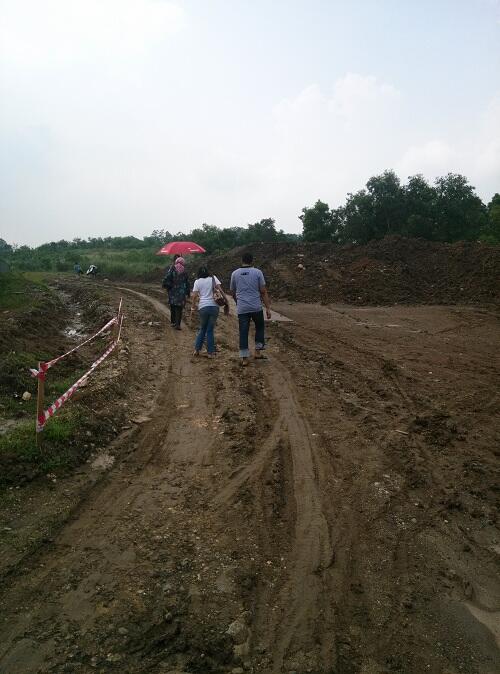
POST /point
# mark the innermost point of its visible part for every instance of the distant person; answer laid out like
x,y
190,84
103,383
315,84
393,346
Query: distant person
x,y
92,270
248,287
207,292
177,284
167,270
77,269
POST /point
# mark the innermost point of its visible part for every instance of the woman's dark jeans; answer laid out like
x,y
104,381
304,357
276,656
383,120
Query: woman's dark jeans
x,y
244,322
208,319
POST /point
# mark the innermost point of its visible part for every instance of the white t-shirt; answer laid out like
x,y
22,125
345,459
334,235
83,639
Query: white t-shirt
x,y
204,286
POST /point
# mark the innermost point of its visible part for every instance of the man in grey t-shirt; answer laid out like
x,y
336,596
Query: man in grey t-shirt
x,y
248,287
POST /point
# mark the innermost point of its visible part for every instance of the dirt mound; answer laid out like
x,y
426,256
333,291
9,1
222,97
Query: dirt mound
x,y
392,270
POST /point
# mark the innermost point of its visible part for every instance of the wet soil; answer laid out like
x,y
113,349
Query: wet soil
x,y
329,510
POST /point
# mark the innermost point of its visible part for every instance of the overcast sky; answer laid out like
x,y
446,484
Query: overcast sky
x,y
122,116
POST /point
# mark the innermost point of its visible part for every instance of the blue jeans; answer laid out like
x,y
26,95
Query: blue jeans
x,y
244,322
208,319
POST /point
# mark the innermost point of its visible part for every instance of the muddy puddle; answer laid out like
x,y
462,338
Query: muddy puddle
x,y
75,328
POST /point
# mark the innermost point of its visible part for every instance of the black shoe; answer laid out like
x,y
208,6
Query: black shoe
x,y
177,327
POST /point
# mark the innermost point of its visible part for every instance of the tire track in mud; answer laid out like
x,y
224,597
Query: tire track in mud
x,y
300,600
285,622
289,616
191,444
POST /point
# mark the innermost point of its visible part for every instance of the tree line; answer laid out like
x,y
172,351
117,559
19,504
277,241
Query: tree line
x,y
449,210
122,255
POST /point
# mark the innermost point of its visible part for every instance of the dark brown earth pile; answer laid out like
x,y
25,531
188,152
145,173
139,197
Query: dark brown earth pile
x,y
392,270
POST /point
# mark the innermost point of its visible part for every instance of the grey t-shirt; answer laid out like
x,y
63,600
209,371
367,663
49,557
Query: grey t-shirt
x,y
247,282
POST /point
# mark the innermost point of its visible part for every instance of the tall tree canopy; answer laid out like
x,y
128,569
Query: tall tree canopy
x,y
493,228
449,210
317,222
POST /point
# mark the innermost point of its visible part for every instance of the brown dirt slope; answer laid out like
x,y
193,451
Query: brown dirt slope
x,y
392,270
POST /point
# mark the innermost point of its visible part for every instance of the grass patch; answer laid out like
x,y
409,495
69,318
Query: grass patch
x,y
122,264
20,458
15,379
19,292
39,278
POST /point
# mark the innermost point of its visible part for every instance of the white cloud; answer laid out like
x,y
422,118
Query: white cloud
x,y
434,157
326,145
487,144
98,149
353,94
61,32
476,153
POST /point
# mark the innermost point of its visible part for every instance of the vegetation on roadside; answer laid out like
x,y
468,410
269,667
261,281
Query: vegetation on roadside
x,y
20,458
18,291
27,337
15,379
127,256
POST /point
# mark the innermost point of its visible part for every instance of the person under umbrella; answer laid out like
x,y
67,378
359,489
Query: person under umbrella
x,y
169,269
177,284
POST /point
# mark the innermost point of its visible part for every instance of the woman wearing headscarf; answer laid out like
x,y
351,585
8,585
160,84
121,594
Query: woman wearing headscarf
x,y
166,285
206,290
177,283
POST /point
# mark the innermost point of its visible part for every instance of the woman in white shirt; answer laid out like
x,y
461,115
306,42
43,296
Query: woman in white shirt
x,y
203,300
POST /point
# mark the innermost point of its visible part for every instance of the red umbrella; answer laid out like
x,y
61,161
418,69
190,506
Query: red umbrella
x,y
181,248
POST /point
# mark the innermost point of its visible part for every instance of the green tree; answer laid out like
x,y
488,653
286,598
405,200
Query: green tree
x,y
262,231
491,231
387,204
317,222
460,213
358,218
206,236
230,237
420,205
5,247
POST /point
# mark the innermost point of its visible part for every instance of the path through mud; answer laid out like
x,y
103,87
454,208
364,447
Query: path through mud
x,y
329,510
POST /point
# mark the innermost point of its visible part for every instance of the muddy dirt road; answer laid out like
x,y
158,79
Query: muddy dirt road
x,y
330,510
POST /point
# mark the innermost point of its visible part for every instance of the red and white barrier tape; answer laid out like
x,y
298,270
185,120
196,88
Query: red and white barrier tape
x,y
43,417
43,367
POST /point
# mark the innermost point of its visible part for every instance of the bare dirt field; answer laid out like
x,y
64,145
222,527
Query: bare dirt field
x,y
330,510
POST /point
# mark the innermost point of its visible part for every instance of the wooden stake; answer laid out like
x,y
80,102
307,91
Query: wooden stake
x,y
40,405
117,325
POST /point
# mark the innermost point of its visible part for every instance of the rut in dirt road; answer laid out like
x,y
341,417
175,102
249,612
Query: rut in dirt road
x,y
292,626
285,621
285,618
